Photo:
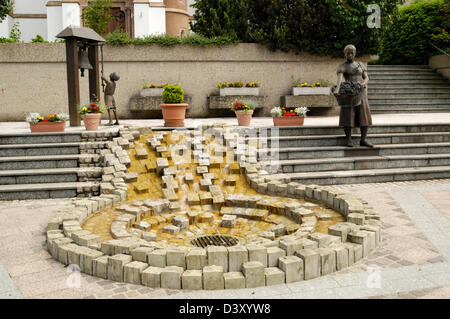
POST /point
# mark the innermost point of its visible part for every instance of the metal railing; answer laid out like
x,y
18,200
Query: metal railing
x,y
439,49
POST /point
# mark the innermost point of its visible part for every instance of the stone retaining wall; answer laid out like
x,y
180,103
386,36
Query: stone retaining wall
x,y
26,66
138,259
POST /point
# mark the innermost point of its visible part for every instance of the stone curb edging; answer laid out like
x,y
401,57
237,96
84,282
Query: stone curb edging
x,y
298,256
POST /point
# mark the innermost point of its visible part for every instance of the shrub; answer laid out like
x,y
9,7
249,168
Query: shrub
x,y
6,7
406,39
97,15
38,39
173,94
118,37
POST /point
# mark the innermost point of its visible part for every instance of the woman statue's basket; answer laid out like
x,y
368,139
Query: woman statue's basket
x,y
349,96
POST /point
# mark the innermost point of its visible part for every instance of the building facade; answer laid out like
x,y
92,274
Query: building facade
x,y
138,17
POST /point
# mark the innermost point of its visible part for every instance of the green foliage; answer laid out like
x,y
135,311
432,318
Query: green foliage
x,y
15,33
6,7
7,40
118,37
173,94
322,27
216,18
121,37
97,15
38,39
406,40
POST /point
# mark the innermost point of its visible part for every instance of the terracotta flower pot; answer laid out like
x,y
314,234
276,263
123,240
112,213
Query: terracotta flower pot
x,y
288,120
92,121
244,118
47,127
174,114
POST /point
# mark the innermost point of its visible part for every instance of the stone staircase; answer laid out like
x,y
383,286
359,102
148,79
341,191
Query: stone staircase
x,y
47,165
407,88
317,155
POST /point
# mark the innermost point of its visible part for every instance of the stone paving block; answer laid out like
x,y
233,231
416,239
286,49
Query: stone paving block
x,y
140,253
327,260
196,259
254,274
376,230
213,277
309,244
290,246
206,198
63,251
192,280
324,240
341,256
86,260
151,277
73,255
292,267
356,218
237,255
360,237
125,246
274,276
171,229
157,258
234,280
311,262
132,272
341,229
100,267
218,255
273,254
116,264
54,245
176,257
181,221
257,253
279,230
228,221
171,277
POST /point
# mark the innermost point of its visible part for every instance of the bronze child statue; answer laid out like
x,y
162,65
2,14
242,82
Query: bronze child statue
x,y
359,115
109,96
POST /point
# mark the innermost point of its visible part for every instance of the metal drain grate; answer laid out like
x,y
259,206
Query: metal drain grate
x,y
214,240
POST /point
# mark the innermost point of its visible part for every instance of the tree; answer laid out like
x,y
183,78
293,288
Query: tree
x,y
97,15
6,7
221,18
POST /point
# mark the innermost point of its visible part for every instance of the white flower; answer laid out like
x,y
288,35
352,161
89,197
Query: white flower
x,y
32,118
276,111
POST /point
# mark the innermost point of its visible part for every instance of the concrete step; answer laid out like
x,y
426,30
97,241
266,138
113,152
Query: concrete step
x,y
336,130
39,162
360,163
407,76
401,71
336,140
368,175
410,105
408,91
39,149
291,153
53,175
413,96
397,81
410,101
39,138
41,191
381,85
383,110
397,67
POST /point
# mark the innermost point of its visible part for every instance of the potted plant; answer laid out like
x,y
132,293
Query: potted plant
x,y
314,88
92,115
243,111
51,123
288,116
238,88
173,108
151,89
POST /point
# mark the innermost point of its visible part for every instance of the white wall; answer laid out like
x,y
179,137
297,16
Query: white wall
x,y
32,27
54,22
30,6
148,20
5,27
157,20
70,14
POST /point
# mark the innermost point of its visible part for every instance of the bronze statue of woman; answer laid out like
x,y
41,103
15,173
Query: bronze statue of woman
x,y
354,116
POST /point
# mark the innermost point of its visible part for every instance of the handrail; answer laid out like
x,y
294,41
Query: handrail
x,y
439,49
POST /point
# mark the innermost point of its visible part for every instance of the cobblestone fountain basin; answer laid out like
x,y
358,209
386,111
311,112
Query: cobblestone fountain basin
x,y
195,210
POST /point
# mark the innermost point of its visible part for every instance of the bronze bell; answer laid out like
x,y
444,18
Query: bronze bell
x,y
83,61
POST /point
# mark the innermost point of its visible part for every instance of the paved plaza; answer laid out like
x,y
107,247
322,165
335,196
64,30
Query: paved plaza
x,y
413,260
